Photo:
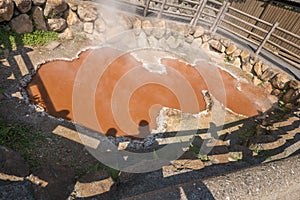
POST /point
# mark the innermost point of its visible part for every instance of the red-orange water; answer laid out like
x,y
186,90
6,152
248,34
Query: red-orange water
x,y
126,96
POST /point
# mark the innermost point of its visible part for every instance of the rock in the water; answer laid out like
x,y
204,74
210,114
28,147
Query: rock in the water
x,y
57,25
225,42
237,62
280,81
217,46
231,49
23,6
6,10
206,37
100,25
38,18
198,32
72,18
197,42
38,2
12,163
88,27
87,12
67,34
22,24
55,7
147,26
189,39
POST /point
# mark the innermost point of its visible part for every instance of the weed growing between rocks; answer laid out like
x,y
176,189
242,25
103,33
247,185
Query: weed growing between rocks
x,y
10,40
21,138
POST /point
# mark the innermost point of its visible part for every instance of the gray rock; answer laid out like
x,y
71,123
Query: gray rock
x,y
17,191
6,10
87,12
55,7
23,6
38,18
100,25
22,24
88,27
159,29
125,21
197,42
57,25
147,27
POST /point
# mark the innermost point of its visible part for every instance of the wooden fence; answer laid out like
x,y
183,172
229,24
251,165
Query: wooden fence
x,y
245,20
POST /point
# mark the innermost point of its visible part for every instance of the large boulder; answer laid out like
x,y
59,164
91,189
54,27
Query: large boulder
x,y
57,25
6,10
38,18
87,12
22,24
280,81
23,6
55,7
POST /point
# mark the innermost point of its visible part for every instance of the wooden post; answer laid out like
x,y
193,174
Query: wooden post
x,y
266,38
146,7
220,16
161,9
198,13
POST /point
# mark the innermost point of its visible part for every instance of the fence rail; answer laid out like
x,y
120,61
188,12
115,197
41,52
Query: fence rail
x,y
251,27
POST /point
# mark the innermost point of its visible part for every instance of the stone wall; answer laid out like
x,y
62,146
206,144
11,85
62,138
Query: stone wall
x,y
24,16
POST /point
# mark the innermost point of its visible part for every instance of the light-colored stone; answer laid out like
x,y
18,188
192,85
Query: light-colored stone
x,y
57,25
72,18
205,45
245,56
189,39
173,42
199,31
87,12
23,5
159,29
22,24
38,2
276,92
280,81
194,164
236,53
256,81
55,7
38,18
264,68
6,10
225,42
73,4
88,27
231,49
237,62
197,42
268,74
67,34
257,69
125,21
206,37
247,67
268,87
147,27
137,25
217,45
100,25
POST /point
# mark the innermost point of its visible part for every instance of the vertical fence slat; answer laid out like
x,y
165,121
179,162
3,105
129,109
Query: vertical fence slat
x,y
266,38
219,18
198,13
161,9
147,3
